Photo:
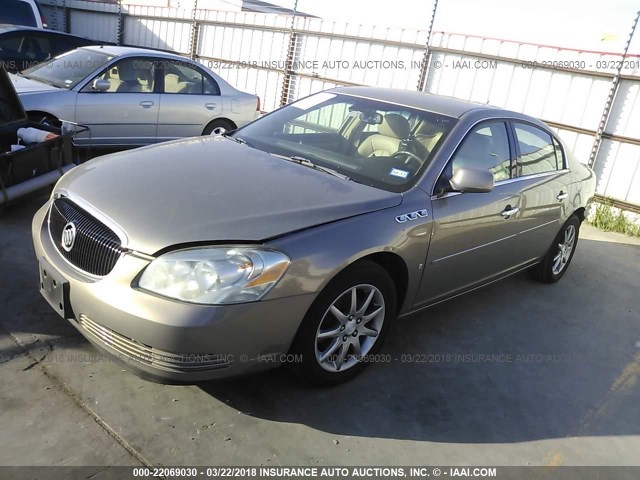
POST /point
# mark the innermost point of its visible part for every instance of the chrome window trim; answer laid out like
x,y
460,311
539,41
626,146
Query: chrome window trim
x,y
446,195
457,145
532,176
510,180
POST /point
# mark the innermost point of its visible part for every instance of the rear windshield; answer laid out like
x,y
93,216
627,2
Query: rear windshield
x,y
16,12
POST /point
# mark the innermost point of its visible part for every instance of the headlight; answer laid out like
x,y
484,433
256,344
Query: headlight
x,y
215,275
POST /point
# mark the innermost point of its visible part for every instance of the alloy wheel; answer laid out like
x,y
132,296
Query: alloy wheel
x,y
349,328
565,248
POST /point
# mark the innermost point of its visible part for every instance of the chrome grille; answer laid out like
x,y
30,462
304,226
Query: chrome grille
x,y
96,248
154,357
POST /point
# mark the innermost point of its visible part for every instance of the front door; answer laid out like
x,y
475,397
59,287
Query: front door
x,y
127,113
474,233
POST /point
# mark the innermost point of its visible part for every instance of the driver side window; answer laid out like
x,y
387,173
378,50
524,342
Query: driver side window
x,y
130,75
485,147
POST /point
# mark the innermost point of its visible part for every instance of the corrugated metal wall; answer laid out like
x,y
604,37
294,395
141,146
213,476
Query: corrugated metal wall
x,y
282,58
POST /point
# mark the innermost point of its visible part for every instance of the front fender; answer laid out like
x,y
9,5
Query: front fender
x,y
320,253
61,105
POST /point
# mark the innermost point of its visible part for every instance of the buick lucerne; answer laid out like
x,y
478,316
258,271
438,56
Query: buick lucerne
x,y
307,232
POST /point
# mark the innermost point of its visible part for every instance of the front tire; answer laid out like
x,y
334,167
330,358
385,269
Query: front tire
x,y
347,323
556,262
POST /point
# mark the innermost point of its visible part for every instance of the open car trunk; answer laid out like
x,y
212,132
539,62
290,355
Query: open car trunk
x,y
36,165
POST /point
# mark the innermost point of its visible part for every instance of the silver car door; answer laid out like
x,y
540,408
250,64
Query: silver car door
x,y
125,114
474,234
190,99
544,181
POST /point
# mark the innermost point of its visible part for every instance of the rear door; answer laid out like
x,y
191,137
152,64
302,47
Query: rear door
x,y
544,180
190,99
474,234
126,114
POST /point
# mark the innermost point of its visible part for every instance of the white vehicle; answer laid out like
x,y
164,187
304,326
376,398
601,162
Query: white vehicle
x,y
132,96
22,12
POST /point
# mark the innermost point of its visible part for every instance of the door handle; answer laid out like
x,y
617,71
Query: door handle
x,y
508,211
146,104
561,196
210,106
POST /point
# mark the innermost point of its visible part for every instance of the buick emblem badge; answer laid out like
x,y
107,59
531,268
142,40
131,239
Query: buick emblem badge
x,y
68,236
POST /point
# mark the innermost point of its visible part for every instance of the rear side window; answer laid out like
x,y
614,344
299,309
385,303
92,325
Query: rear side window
x,y
187,80
16,12
538,154
559,155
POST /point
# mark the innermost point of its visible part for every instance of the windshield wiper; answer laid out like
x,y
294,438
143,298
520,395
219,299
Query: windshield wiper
x,y
37,79
308,163
239,140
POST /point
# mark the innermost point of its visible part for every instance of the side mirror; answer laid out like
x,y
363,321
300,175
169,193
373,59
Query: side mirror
x,y
100,85
472,180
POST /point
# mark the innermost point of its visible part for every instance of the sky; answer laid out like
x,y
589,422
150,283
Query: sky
x,y
601,25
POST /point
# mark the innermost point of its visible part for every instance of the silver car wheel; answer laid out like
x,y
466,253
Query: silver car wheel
x,y
218,131
349,328
563,255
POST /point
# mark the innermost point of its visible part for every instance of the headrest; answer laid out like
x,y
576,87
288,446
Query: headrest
x,y
395,126
126,72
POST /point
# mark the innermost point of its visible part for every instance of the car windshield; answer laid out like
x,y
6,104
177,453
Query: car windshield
x,y
67,70
16,12
376,143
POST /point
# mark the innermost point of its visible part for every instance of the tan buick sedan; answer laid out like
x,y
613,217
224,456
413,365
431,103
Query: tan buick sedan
x,y
301,237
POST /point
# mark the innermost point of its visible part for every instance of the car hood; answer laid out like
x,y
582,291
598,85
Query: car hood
x,y
213,189
24,85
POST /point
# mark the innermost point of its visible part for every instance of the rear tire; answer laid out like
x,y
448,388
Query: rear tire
x,y
218,127
346,324
556,262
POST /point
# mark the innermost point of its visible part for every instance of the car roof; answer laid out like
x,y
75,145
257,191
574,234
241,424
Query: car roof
x,y
449,106
119,51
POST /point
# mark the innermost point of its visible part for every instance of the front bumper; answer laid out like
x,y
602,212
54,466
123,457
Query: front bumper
x,y
167,340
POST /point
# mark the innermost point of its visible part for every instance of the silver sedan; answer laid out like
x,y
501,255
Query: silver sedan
x,y
301,237
133,96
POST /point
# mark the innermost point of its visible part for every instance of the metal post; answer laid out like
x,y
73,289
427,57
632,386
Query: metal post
x,y
195,27
615,84
66,17
120,29
287,83
424,69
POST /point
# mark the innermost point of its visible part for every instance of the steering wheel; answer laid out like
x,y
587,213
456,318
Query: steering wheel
x,y
410,157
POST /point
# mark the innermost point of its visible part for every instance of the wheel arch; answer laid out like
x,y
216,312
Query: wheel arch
x,y
39,114
392,263
580,213
220,119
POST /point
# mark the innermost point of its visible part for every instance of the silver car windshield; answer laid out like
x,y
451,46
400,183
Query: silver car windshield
x,y
66,71
377,143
